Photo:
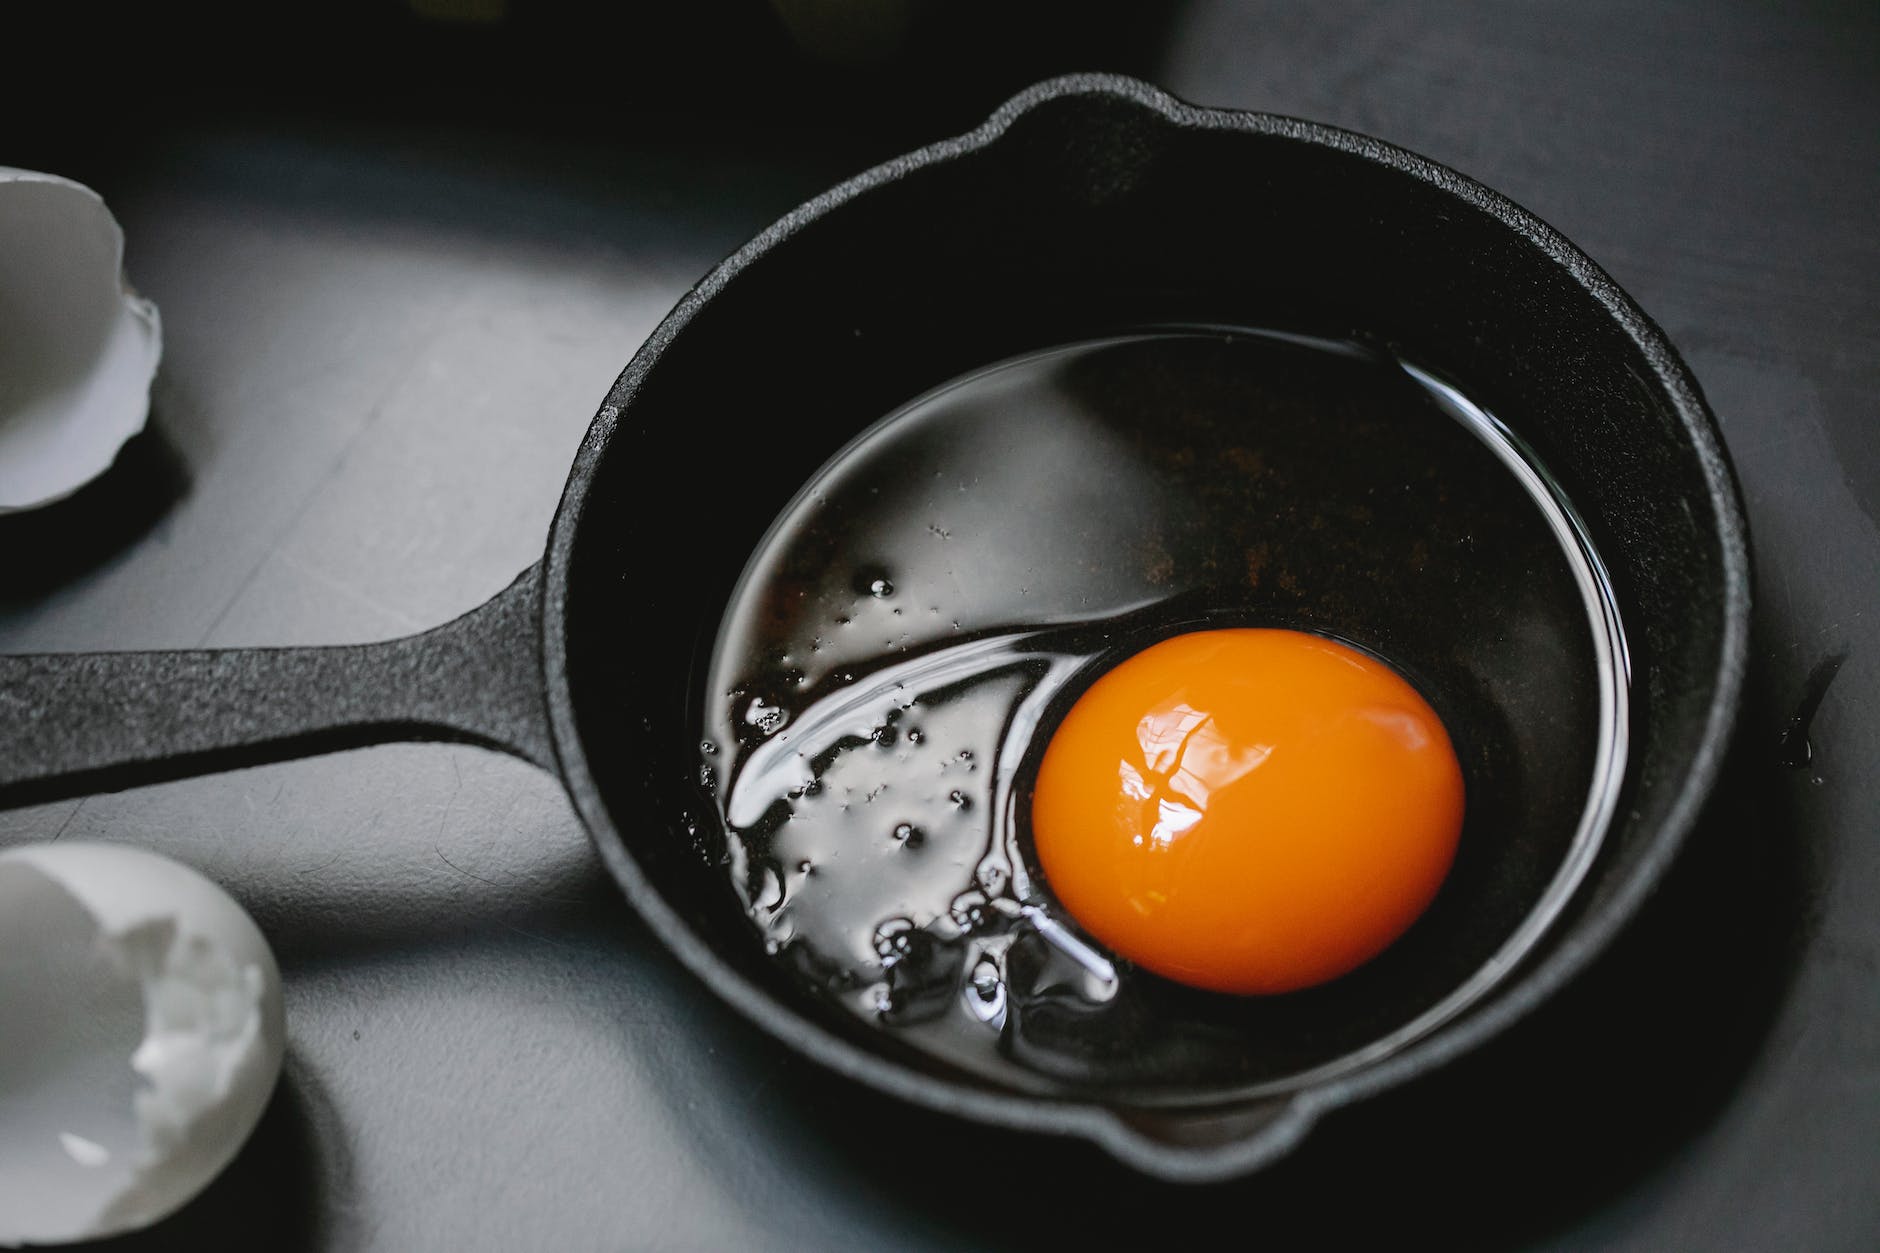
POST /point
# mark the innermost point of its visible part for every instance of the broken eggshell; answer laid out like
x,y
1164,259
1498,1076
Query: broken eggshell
x,y
78,348
141,1036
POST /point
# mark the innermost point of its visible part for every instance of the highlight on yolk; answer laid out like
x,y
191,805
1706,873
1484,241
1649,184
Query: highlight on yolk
x,y
1248,810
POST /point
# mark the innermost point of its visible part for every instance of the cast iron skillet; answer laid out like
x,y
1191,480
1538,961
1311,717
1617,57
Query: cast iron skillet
x,y
1084,204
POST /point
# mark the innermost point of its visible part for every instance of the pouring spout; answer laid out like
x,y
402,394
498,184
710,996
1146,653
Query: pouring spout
x,y
1205,1146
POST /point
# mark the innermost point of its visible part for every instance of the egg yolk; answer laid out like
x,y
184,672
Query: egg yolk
x,y
1248,811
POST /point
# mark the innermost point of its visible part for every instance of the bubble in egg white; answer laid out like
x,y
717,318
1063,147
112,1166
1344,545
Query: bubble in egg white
x,y
141,1034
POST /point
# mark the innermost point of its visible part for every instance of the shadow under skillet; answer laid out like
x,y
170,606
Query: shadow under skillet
x,y
1602,1086
573,897
54,544
421,850
918,70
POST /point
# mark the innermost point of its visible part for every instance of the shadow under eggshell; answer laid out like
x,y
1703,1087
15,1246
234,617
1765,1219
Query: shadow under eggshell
x,y
78,349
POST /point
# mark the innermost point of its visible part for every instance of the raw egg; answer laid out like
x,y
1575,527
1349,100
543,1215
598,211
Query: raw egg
x,y
1248,810
935,617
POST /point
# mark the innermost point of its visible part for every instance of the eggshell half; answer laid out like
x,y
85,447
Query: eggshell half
x,y
141,1035
78,349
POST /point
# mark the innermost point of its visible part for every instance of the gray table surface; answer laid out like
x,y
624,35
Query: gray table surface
x,y
383,344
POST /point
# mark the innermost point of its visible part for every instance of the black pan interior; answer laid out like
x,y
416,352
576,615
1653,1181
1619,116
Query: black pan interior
x,y
1092,214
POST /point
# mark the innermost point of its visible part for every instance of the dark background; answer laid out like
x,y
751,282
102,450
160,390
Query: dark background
x,y
402,250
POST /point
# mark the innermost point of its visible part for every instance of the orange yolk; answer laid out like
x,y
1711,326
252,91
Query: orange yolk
x,y
1248,811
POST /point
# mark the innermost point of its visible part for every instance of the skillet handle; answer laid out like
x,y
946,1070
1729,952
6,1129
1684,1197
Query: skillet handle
x,y
77,723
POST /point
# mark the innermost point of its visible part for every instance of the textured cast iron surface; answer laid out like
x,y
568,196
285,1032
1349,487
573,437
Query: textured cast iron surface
x,y
96,722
